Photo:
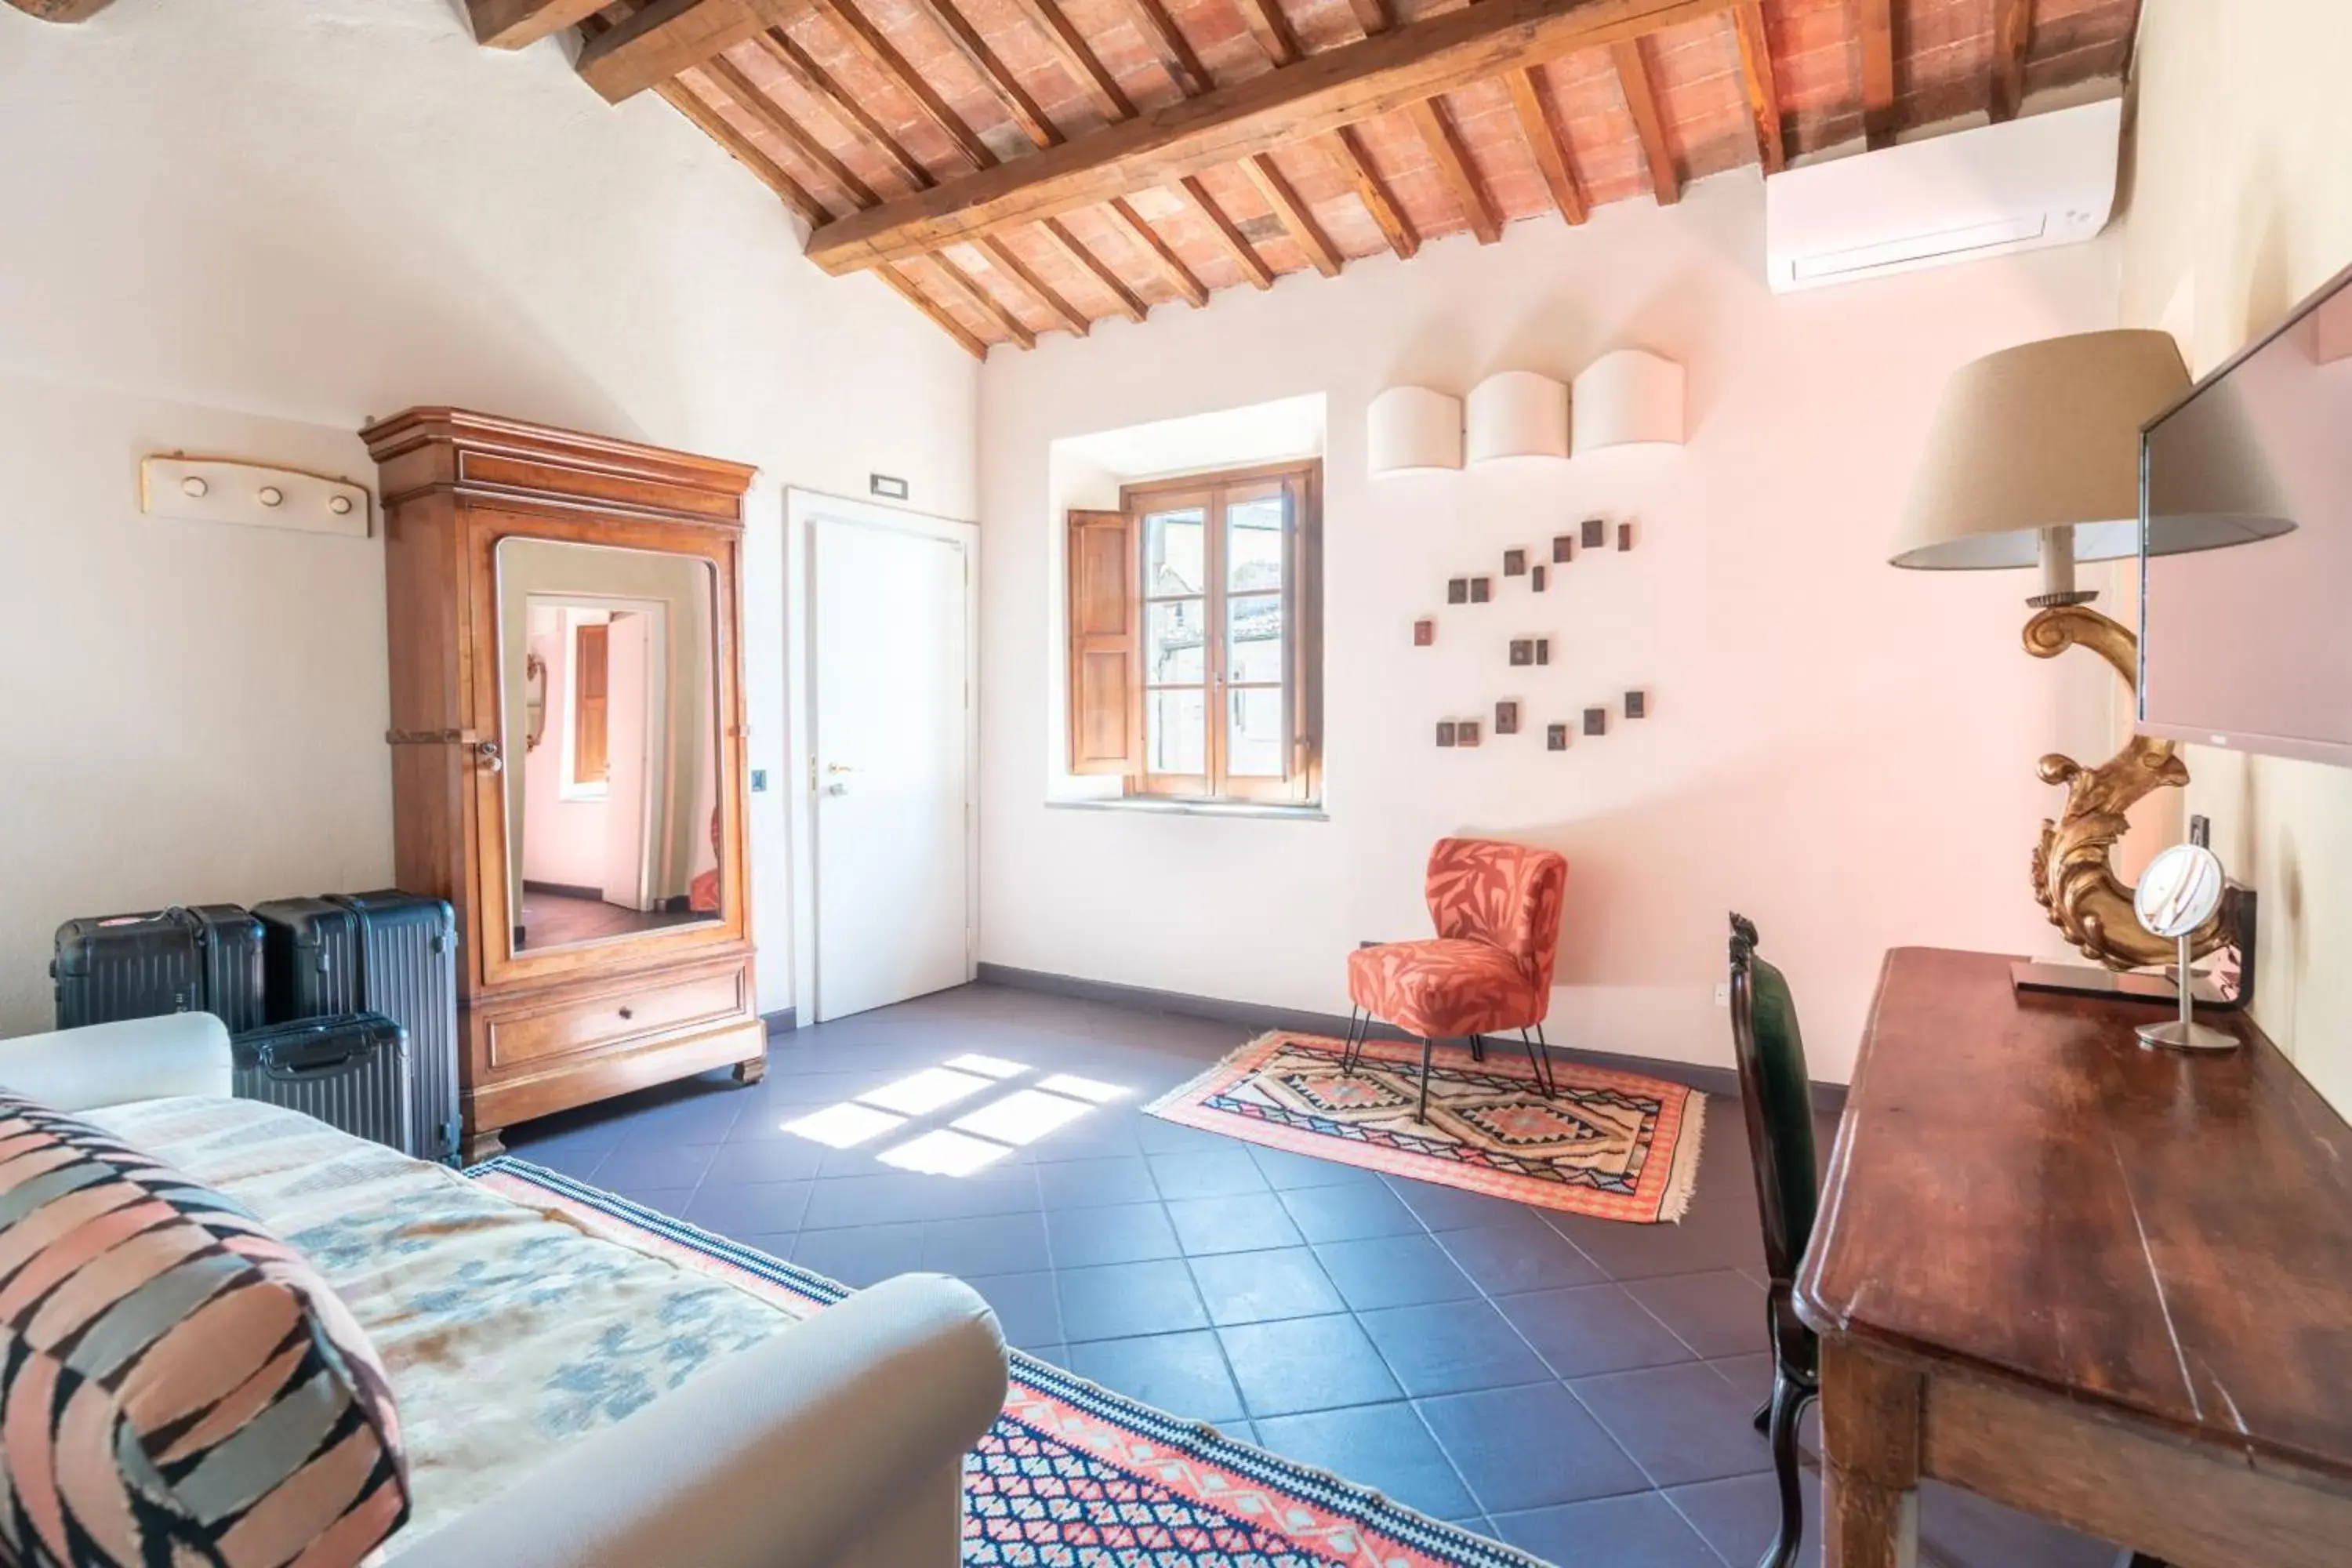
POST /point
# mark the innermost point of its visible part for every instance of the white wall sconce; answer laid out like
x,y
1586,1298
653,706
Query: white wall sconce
x,y
1413,430
1629,399
1517,414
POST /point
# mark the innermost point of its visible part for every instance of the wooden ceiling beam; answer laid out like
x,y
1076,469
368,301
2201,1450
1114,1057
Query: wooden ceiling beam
x,y
1641,102
1321,94
747,153
669,36
986,303
914,296
819,84
770,113
1548,140
1761,84
878,52
1004,260
518,23
1373,16
1175,51
1023,109
1131,303
1356,162
1429,118
1279,41
1070,49
1194,292
1272,29
2013,38
1304,231
1229,234
1874,27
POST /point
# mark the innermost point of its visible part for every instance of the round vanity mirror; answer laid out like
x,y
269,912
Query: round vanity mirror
x,y
2177,894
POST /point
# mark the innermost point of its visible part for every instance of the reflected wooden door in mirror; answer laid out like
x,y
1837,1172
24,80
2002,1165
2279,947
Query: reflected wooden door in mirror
x,y
568,752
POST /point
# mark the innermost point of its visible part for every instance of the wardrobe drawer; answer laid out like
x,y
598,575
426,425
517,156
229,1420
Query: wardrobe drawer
x,y
617,1017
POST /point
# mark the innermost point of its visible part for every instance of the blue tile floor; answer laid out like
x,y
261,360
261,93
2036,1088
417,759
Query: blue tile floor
x,y
1576,1386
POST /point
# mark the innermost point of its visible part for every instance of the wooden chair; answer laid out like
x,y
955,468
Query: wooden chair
x,y
1777,1094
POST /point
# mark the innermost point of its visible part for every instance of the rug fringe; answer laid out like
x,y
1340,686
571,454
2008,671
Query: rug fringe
x,y
1682,1180
1184,1091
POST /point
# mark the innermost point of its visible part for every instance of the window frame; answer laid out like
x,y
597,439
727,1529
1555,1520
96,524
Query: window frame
x,y
1300,783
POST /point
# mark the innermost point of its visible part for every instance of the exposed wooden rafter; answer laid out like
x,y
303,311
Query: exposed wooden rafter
x,y
746,151
878,52
813,79
1873,27
669,36
912,292
1642,104
1388,217
518,23
1191,79
1070,48
1322,93
1271,27
1454,166
1759,83
2012,37
1292,212
985,302
1005,259
1548,140
748,97
1195,293
1023,109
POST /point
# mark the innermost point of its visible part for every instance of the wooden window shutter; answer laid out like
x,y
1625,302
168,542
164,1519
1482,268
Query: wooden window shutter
x,y
590,762
1103,643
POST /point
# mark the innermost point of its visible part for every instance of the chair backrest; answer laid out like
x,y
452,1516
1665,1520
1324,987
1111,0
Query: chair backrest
x,y
1777,1096
1504,895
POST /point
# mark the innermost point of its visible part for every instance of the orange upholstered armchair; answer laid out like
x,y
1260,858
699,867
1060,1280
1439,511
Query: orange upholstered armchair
x,y
1497,909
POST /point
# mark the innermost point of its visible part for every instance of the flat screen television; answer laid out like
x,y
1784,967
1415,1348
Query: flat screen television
x,y
2246,546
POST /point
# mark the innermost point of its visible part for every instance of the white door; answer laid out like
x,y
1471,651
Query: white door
x,y
890,649
632,789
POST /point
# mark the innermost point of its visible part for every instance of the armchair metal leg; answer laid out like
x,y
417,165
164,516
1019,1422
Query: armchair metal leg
x,y
1539,1059
1762,1420
1422,1115
1352,1050
1477,1047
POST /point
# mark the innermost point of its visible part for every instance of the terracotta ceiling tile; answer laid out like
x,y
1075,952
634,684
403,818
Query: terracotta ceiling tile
x,y
890,105
924,274
845,141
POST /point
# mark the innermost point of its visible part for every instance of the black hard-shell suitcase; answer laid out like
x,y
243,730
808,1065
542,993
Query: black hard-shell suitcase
x,y
228,941
408,973
349,1071
310,959
126,966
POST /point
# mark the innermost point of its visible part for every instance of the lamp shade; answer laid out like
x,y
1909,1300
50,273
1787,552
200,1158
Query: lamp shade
x,y
1413,430
1629,399
2042,436
1517,414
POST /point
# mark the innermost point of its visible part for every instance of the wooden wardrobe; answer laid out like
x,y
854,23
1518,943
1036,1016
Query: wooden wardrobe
x,y
605,914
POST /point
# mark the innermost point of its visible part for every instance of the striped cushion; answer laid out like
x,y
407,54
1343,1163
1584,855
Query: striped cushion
x,y
176,1385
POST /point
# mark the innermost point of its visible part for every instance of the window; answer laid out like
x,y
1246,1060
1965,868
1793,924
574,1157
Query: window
x,y
1195,637
589,673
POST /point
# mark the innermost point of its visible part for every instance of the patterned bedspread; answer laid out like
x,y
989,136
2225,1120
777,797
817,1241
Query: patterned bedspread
x,y
495,1320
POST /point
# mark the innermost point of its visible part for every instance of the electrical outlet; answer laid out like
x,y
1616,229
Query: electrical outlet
x,y
1723,993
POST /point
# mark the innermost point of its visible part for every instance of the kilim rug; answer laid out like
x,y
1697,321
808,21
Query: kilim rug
x,y
1072,1476
1614,1144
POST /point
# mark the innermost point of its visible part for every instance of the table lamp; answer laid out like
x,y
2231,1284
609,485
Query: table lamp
x,y
2034,460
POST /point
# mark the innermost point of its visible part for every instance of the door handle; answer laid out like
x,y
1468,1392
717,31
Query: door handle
x,y
840,768
493,760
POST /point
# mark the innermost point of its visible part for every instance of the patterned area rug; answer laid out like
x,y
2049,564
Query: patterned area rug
x,y
1613,1144
1072,1476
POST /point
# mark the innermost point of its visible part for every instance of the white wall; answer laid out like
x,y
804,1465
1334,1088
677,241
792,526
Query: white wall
x,y
2241,209
1842,750
246,226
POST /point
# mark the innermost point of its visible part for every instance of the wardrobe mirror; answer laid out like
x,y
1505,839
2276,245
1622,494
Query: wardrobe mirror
x,y
611,807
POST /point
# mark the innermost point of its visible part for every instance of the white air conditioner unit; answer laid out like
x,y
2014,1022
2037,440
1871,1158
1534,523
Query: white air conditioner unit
x,y
2048,179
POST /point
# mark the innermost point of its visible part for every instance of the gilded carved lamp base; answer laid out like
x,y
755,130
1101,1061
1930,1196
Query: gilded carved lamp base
x,y
2073,879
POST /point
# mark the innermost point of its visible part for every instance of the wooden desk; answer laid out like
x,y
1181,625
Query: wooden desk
x,y
2108,1286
